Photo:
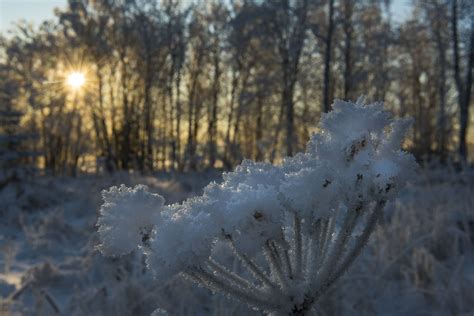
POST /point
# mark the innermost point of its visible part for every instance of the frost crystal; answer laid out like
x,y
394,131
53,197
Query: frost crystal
x,y
299,217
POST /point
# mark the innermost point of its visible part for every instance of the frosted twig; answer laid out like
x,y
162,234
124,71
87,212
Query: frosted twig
x,y
275,265
297,239
336,249
231,276
214,283
258,273
361,241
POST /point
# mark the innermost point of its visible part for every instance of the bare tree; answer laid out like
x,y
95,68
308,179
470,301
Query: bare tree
x,y
289,25
463,87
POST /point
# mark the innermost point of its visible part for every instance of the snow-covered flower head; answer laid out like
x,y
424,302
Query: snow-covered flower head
x,y
354,159
183,240
255,215
244,207
127,218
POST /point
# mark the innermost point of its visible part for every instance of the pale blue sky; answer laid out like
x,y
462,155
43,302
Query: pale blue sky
x,y
36,11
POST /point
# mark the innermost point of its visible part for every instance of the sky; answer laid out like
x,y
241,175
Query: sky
x,y
36,11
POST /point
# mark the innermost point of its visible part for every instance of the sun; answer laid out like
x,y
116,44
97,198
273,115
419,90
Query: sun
x,y
76,80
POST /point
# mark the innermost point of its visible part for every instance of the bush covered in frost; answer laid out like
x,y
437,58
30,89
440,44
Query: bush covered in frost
x,y
295,227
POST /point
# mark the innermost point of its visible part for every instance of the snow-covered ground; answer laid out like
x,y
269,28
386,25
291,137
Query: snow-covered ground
x,y
419,262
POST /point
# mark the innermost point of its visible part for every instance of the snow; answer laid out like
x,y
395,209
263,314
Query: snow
x,y
419,261
48,229
58,224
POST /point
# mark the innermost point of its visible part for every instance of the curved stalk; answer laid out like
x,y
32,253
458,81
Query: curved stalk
x,y
275,265
258,273
214,283
298,245
231,276
337,247
361,241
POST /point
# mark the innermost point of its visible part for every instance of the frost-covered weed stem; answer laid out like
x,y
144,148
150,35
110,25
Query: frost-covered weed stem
x,y
295,228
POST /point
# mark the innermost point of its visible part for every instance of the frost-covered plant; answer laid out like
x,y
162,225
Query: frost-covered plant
x,y
295,227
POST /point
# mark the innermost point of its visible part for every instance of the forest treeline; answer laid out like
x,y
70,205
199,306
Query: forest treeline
x,y
179,85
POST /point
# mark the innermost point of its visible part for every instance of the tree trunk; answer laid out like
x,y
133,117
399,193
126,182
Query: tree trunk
x,y
178,121
103,123
465,100
348,8
126,129
441,131
193,114
212,127
233,91
288,104
148,153
463,89
259,130
327,57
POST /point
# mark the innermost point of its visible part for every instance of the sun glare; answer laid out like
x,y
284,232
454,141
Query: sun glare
x,y
76,80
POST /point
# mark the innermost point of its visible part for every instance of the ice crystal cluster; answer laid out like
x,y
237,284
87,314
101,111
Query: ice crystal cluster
x,y
295,227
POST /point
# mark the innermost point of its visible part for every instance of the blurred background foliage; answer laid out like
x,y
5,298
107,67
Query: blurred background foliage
x,y
193,85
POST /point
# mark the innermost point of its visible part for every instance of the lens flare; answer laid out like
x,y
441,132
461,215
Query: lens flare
x,y
76,80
